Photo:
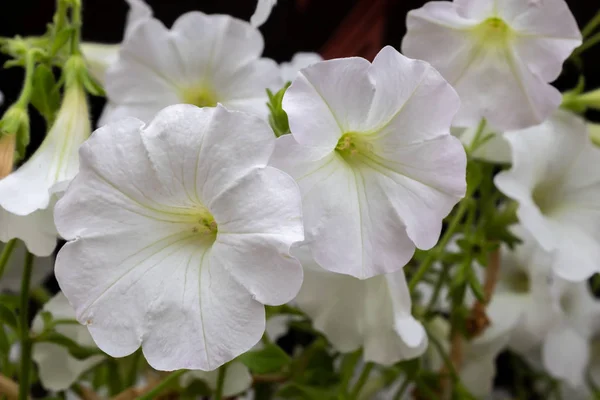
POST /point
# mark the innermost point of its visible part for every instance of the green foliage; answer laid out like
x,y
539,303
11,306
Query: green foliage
x,y
267,360
278,117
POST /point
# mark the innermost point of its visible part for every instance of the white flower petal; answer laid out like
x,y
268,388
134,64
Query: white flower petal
x,y
176,289
58,369
36,230
337,94
289,70
565,355
373,313
263,10
139,11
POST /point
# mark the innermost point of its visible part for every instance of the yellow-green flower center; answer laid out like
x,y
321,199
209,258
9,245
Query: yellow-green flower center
x,y
493,32
199,96
352,145
203,222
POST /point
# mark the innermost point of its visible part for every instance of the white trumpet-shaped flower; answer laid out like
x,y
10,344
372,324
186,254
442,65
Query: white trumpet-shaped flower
x,y
178,235
58,369
498,54
100,56
371,150
374,314
262,12
202,60
557,185
27,194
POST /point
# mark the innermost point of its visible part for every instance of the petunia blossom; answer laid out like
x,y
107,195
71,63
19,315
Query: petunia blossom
x,y
27,195
300,60
498,54
374,314
58,369
554,180
373,156
100,56
202,60
178,234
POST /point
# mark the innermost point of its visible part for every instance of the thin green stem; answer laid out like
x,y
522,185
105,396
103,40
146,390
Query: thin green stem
x,y
6,253
162,385
433,254
133,369
76,22
349,362
474,145
220,382
591,26
362,379
589,42
25,95
440,349
24,328
438,287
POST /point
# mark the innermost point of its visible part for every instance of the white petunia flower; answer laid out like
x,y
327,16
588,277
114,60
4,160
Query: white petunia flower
x,y
203,60
555,180
237,379
13,274
100,56
290,70
498,54
374,314
371,150
178,234
58,369
27,195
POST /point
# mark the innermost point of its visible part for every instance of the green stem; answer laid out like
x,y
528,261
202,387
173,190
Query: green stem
x,y
133,369
220,382
440,349
432,255
591,26
347,369
437,288
362,379
162,385
24,329
589,42
477,138
402,389
25,95
76,22
5,256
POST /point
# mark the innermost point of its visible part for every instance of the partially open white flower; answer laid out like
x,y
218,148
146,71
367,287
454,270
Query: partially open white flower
x,y
371,150
262,12
13,274
374,314
27,195
237,379
290,70
58,369
555,180
498,54
202,60
100,56
178,234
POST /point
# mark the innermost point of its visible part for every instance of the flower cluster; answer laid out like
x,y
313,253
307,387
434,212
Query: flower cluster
x,y
401,221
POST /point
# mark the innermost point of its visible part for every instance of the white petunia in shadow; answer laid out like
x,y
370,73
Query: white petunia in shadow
x,y
13,274
237,379
290,70
371,151
202,60
58,369
498,54
27,195
178,234
555,179
374,314
100,56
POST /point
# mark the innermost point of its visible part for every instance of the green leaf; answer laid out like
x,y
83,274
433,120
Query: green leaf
x,y
475,286
8,317
268,360
278,118
45,96
77,351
